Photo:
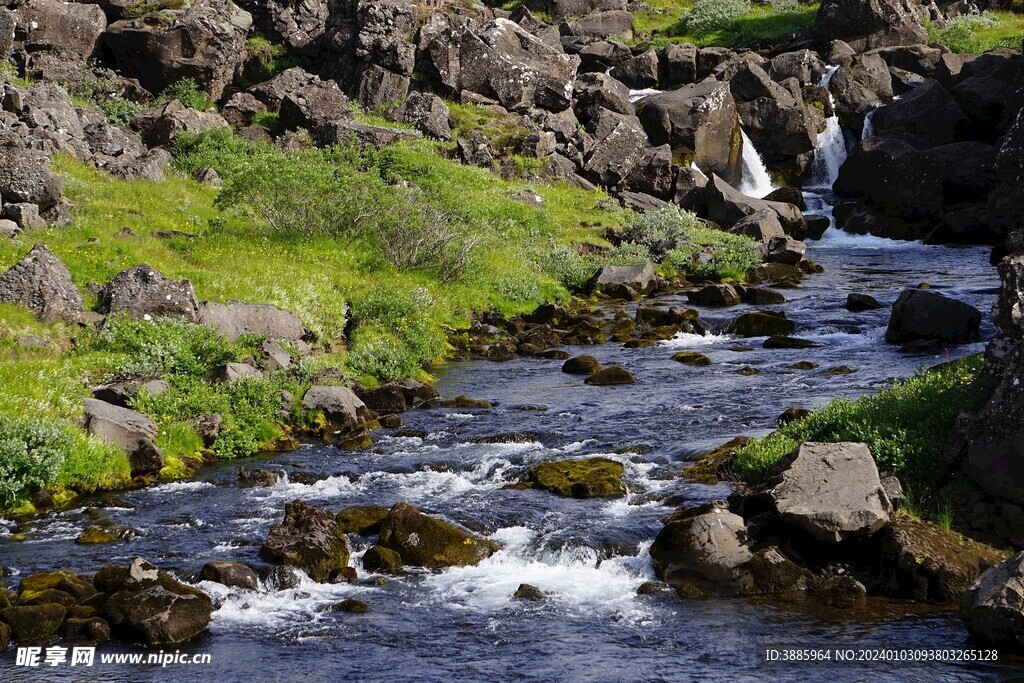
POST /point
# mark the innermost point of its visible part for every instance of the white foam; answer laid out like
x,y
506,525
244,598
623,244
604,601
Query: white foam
x,y
755,182
686,340
834,237
181,487
637,95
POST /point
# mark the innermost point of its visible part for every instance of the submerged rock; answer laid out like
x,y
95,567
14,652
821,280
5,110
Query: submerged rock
x,y
691,358
858,303
308,538
830,491
423,541
352,606
581,365
250,477
529,592
610,376
589,478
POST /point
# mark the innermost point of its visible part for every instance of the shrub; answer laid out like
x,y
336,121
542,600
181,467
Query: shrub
x,y
167,346
653,227
378,352
714,15
119,111
400,326
188,92
567,266
905,425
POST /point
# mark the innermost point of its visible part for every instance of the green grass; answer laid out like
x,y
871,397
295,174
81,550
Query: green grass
x,y
976,34
905,425
758,25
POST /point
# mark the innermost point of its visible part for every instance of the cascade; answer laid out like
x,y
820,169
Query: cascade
x,y
830,152
755,182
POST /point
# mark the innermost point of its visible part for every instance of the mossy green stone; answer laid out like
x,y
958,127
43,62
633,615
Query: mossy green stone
x,y
610,377
691,358
361,519
30,623
423,541
590,478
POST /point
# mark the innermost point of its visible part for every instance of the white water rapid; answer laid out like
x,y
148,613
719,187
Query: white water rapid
x,y
755,182
830,152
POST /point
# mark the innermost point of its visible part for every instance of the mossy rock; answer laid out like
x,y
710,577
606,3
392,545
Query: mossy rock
x,y
62,580
383,560
590,478
610,377
309,539
839,371
763,324
47,596
352,606
640,343
423,541
463,402
364,520
31,623
691,358
803,365
95,535
581,365
748,371
710,467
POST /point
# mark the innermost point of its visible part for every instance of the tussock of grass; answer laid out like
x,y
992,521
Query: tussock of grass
x,y
905,425
976,34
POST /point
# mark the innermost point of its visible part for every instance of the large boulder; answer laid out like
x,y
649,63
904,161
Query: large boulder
x,y
340,407
423,541
588,478
234,574
315,104
894,177
859,87
831,491
204,40
619,143
160,125
131,431
273,92
150,606
69,29
926,117
924,315
869,24
704,551
624,282
596,91
236,318
24,177
617,23
428,113
700,122
42,283
145,293
727,207
308,538
296,24
993,608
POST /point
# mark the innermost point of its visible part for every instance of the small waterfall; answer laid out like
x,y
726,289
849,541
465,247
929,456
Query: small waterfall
x,y
755,182
830,153
869,128
637,95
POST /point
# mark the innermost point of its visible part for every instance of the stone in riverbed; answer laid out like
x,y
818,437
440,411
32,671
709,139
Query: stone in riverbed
x,y
992,607
307,538
792,414
715,295
382,560
352,606
581,365
831,491
340,407
624,282
234,574
859,303
364,520
763,324
691,358
785,342
95,534
251,477
610,376
30,623
921,314
529,592
589,478
423,541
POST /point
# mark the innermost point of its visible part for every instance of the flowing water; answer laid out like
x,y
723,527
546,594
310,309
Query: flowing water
x,y
462,624
755,181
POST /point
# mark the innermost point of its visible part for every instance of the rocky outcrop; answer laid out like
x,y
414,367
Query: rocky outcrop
x,y
236,318
423,541
865,25
70,31
42,283
308,538
830,491
204,40
131,431
144,293
924,315
589,478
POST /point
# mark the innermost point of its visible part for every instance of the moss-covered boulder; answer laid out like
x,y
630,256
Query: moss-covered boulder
x,y
383,560
612,376
364,520
5,636
711,466
309,538
590,478
47,596
33,586
95,534
581,365
691,358
763,324
461,402
423,541
31,623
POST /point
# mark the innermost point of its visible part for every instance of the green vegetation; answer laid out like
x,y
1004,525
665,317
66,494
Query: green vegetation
x,y
732,23
976,34
186,91
265,60
905,426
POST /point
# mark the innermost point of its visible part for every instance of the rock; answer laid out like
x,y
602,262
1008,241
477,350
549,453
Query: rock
x,y
714,295
241,108
382,560
617,23
352,606
31,623
8,229
204,40
150,606
922,561
309,539
364,520
387,399
241,317
42,283
926,117
581,365
728,206
678,64
831,491
872,24
314,104
159,126
529,592
596,91
229,373
25,216
462,402
428,113
250,477
921,314
785,250
792,414
991,607
691,358
840,590
273,356
784,342
70,29
624,282
24,177
619,144
655,175
95,534
700,118
639,72
858,303
129,430
284,578
145,293
762,226
588,478
423,541
660,317
417,392
233,574
610,376
340,407
864,84
763,324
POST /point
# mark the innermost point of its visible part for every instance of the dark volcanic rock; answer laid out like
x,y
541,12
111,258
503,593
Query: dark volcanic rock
x,y
144,293
42,283
870,24
423,541
921,314
309,539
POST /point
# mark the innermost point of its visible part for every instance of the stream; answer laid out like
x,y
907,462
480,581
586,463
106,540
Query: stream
x,y
462,623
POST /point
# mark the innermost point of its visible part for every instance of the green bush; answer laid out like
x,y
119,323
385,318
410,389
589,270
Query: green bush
x,y
378,352
167,346
714,15
653,227
119,111
398,325
567,266
188,92
905,425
